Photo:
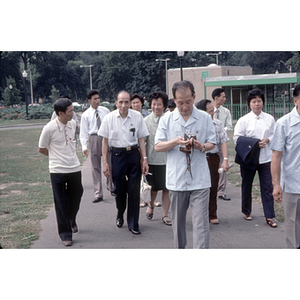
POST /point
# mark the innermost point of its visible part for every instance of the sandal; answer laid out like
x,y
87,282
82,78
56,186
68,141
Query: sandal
x,y
271,223
149,215
248,217
167,222
157,204
143,204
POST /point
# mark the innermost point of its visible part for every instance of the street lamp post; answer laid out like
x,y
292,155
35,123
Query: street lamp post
x,y
11,87
89,66
180,54
25,90
216,54
166,65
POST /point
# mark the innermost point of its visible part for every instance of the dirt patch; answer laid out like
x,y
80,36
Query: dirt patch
x,y
9,184
16,192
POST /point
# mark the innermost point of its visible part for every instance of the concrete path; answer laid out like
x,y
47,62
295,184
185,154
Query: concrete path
x,y
97,229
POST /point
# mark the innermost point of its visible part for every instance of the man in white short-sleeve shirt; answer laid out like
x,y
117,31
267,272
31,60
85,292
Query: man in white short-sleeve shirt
x,y
57,141
124,130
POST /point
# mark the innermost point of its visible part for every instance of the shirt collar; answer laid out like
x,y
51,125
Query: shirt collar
x,y
129,114
61,126
156,118
193,115
260,116
295,117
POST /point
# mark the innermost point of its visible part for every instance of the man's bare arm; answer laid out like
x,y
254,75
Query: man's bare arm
x,y
43,151
275,172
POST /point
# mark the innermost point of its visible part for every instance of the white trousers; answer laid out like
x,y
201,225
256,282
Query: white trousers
x,y
180,202
291,203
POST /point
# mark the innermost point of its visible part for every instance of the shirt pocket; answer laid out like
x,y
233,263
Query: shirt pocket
x,y
113,135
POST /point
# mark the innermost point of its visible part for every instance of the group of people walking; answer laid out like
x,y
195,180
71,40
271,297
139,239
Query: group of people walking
x,y
179,153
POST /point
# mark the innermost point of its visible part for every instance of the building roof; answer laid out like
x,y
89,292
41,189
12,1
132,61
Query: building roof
x,y
253,79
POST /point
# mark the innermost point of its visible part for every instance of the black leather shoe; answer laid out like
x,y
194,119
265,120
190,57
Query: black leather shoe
x,y
224,197
119,222
135,231
97,200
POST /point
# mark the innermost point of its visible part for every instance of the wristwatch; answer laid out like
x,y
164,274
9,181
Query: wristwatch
x,y
203,148
225,158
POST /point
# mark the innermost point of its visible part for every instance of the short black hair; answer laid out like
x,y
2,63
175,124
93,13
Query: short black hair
x,y
202,104
255,93
61,104
217,92
91,93
182,85
171,103
136,95
159,94
296,91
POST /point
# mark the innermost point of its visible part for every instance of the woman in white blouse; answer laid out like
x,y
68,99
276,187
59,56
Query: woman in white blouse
x,y
260,125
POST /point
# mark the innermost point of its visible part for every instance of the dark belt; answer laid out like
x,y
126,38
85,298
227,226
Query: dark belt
x,y
129,148
94,134
212,154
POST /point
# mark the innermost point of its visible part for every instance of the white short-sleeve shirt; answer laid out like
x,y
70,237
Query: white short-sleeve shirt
x,y
123,132
59,139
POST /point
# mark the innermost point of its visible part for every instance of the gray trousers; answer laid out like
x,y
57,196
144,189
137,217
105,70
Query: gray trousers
x,y
222,179
95,143
180,202
291,203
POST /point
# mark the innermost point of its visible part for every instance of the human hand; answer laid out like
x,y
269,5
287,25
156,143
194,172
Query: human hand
x,y
145,167
85,153
263,142
277,193
225,165
106,169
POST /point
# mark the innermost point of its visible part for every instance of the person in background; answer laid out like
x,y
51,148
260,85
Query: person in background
x,y
124,130
157,160
286,157
259,125
137,103
171,105
213,158
90,123
57,141
186,134
222,114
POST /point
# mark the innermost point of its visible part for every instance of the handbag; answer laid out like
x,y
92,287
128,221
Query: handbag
x,y
144,185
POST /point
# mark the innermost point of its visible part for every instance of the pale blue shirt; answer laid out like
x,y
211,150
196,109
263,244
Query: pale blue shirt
x,y
286,139
170,127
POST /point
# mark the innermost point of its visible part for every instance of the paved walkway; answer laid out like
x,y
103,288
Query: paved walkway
x,y
97,229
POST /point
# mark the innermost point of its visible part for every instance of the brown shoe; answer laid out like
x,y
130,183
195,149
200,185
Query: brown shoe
x,y
67,243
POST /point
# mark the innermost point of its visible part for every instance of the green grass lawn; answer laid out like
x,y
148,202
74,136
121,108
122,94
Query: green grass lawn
x,y
25,187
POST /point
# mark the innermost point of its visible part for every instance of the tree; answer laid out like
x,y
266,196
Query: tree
x,y
11,93
54,94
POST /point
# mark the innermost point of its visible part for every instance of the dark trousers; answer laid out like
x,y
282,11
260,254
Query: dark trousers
x,y
126,172
67,191
213,164
266,188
